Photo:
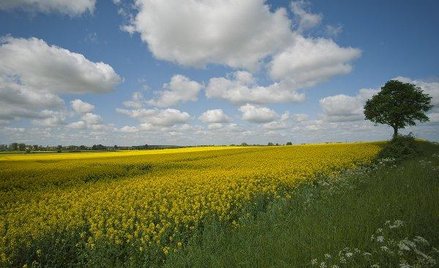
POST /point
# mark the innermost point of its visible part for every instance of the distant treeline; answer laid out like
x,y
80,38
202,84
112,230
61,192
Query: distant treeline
x,y
22,147
75,148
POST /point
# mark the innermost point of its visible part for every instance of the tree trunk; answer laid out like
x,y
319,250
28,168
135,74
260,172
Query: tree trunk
x,y
395,132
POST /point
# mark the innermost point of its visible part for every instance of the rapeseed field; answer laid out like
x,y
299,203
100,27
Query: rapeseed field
x,y
91,208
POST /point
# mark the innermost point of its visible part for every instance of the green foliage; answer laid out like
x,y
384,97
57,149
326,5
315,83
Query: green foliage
x,y
400,147
398,105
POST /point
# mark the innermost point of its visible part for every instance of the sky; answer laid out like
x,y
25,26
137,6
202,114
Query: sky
x,y
209,71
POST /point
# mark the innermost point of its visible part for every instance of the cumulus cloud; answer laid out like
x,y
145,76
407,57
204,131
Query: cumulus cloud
x,y
257,114
346,108
157,117
129,129
305,20
50,118
91,119
77,125
311,61
81,107
299,117
242,88
40,66
214,116
179,89
33,73
306,63
18,101
283,122
238,33
68,7
169,117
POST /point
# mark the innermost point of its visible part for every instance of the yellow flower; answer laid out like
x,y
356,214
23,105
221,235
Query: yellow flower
x,y
150,197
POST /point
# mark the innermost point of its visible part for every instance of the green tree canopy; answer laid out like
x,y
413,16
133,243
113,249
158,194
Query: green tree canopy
x,y
398,105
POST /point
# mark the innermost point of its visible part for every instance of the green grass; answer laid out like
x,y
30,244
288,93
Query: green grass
x,y
326,217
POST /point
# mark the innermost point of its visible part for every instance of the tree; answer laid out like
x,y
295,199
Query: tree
x,y
398,105
13,146
21,146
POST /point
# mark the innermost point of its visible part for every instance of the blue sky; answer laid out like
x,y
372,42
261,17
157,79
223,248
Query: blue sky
x,y
209,72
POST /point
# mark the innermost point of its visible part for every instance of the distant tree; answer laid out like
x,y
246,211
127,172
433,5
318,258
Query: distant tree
x,y
289,143
98,147
21,146
270,144
13,146
398,105
244,144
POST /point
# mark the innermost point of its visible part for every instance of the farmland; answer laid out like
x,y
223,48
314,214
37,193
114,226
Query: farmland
x,y
139,206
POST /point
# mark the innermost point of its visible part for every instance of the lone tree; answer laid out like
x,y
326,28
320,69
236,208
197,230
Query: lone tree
x,y
398,105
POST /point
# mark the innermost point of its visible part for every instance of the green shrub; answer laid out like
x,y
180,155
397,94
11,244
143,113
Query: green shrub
x,y
400,147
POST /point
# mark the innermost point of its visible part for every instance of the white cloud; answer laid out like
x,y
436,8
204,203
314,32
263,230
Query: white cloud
x,y
214,116
275,125
77,125
283,122
242,88
92,122
346,108
68,7
129,129
169,117
81,107
214,126
40,66
257,114
50,119
33,73
91,119
311,61
157,117
237,33
305,20
179,89
299,117
18,101
242,34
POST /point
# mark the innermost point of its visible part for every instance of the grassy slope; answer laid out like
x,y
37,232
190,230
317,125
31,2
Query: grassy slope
x,y
324,219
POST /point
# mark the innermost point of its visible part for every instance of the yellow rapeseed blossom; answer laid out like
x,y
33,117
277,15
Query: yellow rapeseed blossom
x,y
149,198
